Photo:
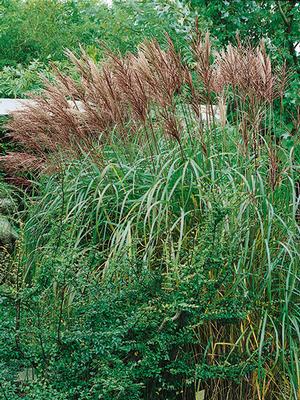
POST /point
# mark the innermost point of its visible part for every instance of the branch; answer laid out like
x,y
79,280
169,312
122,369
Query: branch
x,y
284,17
288,24
175,318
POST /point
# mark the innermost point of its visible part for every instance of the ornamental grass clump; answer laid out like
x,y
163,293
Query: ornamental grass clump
x,y
141,91
154,268
156,280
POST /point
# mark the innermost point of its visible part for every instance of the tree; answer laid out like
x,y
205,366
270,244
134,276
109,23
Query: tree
x,y
275,20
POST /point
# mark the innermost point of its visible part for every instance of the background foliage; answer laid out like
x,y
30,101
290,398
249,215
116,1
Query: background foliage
x,y
36,32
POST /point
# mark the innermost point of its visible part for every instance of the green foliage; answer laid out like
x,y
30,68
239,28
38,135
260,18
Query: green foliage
x,y
139,278
35,33
276,21
43,29
152,270
16,82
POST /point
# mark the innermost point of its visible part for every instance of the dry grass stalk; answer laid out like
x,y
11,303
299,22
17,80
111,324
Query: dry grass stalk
x,y
19,162
246,69
204,67
120,92
161,71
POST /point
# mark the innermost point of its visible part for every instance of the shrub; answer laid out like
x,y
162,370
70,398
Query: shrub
x,y
43,29
20,81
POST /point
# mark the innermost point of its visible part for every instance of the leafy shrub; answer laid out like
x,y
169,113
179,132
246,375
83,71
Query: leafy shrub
x,y
17,82
43,29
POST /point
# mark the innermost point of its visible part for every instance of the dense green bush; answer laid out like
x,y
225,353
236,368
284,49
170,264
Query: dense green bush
x,y
276,21
19,81
42,30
